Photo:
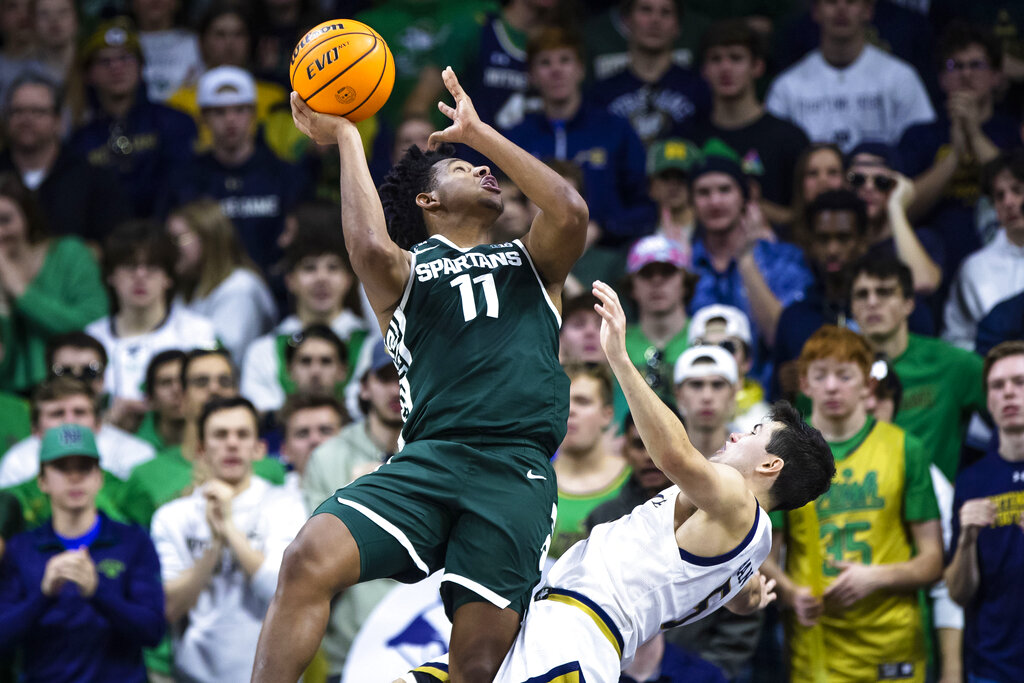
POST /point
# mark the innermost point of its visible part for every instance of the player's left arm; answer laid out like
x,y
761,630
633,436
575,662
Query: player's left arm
x,y
559,231
717,489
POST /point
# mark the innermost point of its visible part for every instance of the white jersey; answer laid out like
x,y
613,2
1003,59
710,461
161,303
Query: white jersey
x,y
129,356
218,643
660,585
120,453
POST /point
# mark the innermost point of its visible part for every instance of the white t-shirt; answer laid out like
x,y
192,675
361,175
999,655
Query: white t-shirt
x,y
172,60
993,273
875,98
128,357
218,643
120,453
260,371
241,309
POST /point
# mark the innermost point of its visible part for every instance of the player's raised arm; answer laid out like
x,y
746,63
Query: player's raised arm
x,y
381,266
558,233
716,489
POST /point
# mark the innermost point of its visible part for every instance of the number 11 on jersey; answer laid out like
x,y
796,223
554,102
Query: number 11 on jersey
x,y
465,286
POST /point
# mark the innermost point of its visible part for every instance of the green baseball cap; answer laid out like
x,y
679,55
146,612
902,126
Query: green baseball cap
x,y
674,154
67,440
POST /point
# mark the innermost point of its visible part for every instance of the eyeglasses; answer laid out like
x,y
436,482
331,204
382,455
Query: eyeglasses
x,y
973,65
882,183
93,370
203,381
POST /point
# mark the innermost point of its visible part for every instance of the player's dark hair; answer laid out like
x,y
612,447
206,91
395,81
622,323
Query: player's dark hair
x,y
1006,161
136,242
195,354
414,173
158,361
883,268
730,33
960,35
838,200
809,464
74,340
219,403
316,331
13,189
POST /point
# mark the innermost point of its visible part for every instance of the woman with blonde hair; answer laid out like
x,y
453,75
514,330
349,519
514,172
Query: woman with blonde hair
x,y
217,279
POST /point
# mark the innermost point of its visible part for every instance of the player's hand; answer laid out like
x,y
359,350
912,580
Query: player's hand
x,y
856,581
766,590
322,129
465,120
807,606
613,322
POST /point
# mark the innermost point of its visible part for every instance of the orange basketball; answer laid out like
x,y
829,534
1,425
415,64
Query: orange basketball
x,y
343,67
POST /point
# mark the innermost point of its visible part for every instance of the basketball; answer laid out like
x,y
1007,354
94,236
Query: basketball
x,y
343,67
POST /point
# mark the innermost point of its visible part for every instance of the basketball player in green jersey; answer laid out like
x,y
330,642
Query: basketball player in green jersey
x,y
473,330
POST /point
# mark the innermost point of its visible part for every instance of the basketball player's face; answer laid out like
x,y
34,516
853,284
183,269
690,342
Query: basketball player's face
x,y
460,184
589,416
878,306
77,409
231,444
835,388
717,201
316,367
1006,393
746,450
707,403
306,430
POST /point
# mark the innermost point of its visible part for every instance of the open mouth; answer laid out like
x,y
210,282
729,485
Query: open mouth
x,y
489,182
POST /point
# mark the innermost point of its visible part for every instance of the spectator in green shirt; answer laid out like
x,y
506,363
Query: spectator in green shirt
x,y
942,384
162,425
47,286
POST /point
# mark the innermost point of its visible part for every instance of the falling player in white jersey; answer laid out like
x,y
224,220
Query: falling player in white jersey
x,y
691,549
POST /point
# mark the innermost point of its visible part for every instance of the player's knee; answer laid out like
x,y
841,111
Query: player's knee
x,y
316,562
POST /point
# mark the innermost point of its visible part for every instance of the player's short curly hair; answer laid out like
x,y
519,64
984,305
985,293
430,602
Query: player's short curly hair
x,y
413,174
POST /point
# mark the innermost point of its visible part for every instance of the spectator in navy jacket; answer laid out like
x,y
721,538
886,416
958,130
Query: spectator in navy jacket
x,y
140,141
603,145
81,596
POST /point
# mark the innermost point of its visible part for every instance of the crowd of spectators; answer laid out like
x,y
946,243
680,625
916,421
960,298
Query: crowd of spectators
x,y
816,200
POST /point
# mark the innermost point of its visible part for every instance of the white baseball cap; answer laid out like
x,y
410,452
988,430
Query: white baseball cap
x,y
736,322
706,361
226,86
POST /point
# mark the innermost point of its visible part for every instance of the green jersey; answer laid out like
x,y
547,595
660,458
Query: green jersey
x,y
475,341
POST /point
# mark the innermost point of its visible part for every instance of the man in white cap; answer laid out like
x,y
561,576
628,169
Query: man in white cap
x,y
729,328
255,188
705,386
661,286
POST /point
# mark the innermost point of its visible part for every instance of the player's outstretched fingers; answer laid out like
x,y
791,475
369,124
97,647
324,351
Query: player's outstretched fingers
x,y
447,110
451,81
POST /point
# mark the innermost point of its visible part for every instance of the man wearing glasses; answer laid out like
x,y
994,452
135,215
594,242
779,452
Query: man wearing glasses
x,y
205,375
